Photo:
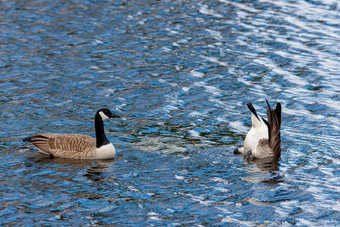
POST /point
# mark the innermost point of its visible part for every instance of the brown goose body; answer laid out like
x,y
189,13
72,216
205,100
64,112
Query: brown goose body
x,y
77,146
65,145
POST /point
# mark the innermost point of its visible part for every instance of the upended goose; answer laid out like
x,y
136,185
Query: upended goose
x,y
77,146
263,139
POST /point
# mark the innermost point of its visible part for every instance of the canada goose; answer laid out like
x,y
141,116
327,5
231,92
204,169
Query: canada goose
x,y
263,139
75,145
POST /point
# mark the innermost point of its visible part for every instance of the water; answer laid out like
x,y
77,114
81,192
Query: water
x,y
180,75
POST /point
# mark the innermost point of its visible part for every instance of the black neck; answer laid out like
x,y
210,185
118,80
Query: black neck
x,y
100,134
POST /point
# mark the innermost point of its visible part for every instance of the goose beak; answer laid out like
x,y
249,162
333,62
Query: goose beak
x,y
114,116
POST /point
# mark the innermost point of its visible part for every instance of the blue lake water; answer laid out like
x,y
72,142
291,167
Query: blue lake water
x,y
180,74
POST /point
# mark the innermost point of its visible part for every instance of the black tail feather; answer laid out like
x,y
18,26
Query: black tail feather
x,y
29,138
278,112
252,109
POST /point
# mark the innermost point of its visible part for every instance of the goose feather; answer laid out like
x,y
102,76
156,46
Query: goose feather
x,y
77,146
263,139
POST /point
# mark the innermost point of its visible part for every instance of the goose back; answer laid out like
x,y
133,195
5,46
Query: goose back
x,y
65,145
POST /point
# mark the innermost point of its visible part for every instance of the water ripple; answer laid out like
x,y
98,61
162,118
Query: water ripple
x,y
180,76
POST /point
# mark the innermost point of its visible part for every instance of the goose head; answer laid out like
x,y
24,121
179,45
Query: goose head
x,y
105,114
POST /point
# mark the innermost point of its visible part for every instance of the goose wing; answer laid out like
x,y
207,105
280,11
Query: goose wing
x,y
274,120
64,145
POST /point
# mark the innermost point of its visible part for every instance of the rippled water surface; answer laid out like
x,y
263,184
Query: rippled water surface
x,y
180,74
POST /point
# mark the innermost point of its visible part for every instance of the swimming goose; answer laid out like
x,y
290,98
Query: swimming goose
x,y
77,146
263,139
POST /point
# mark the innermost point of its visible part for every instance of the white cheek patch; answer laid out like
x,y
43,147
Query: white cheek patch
x,y
103,116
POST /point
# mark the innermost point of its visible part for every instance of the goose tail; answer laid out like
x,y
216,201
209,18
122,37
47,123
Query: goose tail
x,y
31,137
274,120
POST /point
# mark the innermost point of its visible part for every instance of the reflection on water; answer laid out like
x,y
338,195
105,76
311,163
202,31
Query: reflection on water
x,y
179,74
265,164
94,168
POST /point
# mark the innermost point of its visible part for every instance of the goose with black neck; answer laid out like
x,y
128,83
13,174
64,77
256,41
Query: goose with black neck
x,y
77,146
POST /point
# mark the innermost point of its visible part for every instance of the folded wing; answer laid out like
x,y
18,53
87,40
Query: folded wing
x,y
64,145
